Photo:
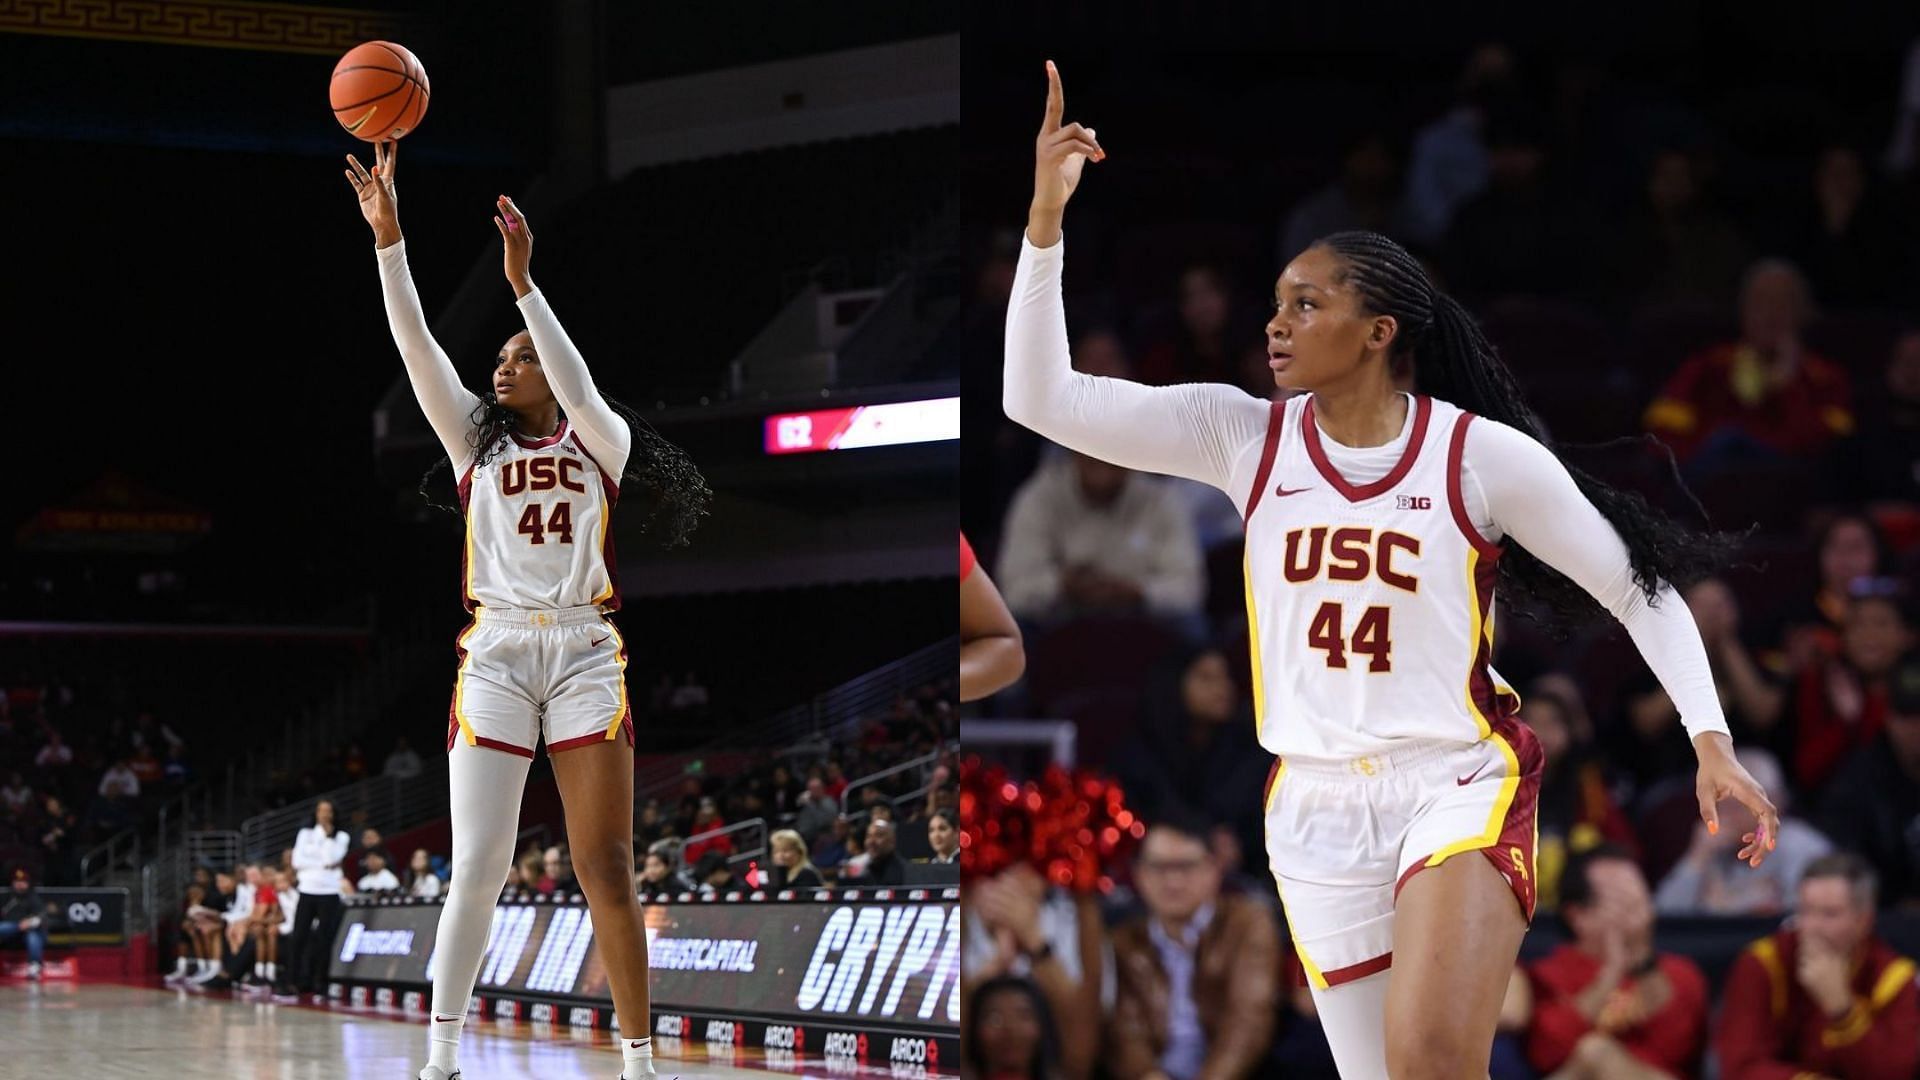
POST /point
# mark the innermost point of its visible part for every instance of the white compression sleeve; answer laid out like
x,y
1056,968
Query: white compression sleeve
x,y
1354,1017
436,385
484,788
1527,494
1197,430
605,432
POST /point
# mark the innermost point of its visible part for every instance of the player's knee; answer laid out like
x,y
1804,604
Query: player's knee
x,y
604,866
1430,1051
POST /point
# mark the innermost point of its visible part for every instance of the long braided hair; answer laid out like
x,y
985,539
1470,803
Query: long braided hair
x,y
673,494
1453,360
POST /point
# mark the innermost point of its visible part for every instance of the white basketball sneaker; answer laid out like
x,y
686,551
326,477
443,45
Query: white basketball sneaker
x,y
435,1072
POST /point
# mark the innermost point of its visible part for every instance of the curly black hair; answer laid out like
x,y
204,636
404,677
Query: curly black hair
x,y
674,496
1452,360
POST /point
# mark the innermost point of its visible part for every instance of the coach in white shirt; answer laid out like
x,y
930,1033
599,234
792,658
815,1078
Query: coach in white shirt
x,y
317,854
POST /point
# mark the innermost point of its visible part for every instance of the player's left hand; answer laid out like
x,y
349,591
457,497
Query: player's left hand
x,y
1722,776
516,238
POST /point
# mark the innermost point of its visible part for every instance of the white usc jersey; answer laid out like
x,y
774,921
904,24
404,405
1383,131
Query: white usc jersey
x,y
537,516
1370,607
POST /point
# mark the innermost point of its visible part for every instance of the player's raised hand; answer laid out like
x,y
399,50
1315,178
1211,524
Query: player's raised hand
x,y
379,202
516,240
1060,152
1722,776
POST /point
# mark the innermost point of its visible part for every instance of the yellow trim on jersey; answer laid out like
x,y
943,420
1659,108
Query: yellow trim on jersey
x,y
600,542
1501,804
460,677
620,643
1768,953
1253,651
1482,632
1891,982
467,586
1306,964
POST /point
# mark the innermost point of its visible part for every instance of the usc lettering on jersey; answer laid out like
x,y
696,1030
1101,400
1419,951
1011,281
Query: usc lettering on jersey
x,y
1370,607
537,535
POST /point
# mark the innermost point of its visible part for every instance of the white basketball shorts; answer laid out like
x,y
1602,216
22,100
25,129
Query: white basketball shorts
x,y
527,675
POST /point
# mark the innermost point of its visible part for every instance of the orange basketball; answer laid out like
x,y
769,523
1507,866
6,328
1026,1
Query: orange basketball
x,y
379,91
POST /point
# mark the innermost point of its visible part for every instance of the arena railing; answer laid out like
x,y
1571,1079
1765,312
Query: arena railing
x,y
823,720
738,854
925,763
391,803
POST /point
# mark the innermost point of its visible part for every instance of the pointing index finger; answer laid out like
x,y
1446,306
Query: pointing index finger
x,y
1056,101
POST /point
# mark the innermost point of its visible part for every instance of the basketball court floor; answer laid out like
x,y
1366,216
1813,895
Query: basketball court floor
x,y
124,1031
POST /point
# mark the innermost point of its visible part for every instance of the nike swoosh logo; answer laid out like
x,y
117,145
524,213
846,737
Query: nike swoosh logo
x,y
595,644
1470,776
1282,490
445,1019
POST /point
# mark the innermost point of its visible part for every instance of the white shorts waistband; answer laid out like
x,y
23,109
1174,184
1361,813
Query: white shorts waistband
x,y
1386,762
533,618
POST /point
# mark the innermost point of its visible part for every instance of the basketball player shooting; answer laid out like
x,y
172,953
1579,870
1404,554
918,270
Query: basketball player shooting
x,y
540,460
1401,813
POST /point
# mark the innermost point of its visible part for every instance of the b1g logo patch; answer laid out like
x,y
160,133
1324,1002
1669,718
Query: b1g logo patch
x,y
1412,502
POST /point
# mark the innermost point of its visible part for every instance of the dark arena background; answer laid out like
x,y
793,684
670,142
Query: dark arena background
x,y
224,598
1641,205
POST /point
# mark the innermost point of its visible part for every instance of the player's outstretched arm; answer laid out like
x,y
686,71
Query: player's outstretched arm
x,y
1193,431
1532,498
605,432
436,385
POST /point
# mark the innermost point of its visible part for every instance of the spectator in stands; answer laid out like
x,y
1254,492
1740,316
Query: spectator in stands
x,y
1010,1033
1016,925
943,835
783,791
1851,242
1762,398
370,842
854,865
402,763
1087,537
378,878
1750,695
884,866
658,874
1607,1005
1827,997
1882,462
17,796
1873,804
1200,347
651,825
1199,973
1710,881
689,695
837,782
525,875
1195,749
792,868
353,766
175,771
422,882
119,794
708,820
25,915
1448,164
556,873
312,899
1577,813
831,851
54,758
58,831
1677,247
1841,704
1851,549
1512,237
146,767
1363,196
818,811
716,876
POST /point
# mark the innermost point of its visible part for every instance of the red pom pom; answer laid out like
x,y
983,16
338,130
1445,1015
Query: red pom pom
x,y
1068,826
